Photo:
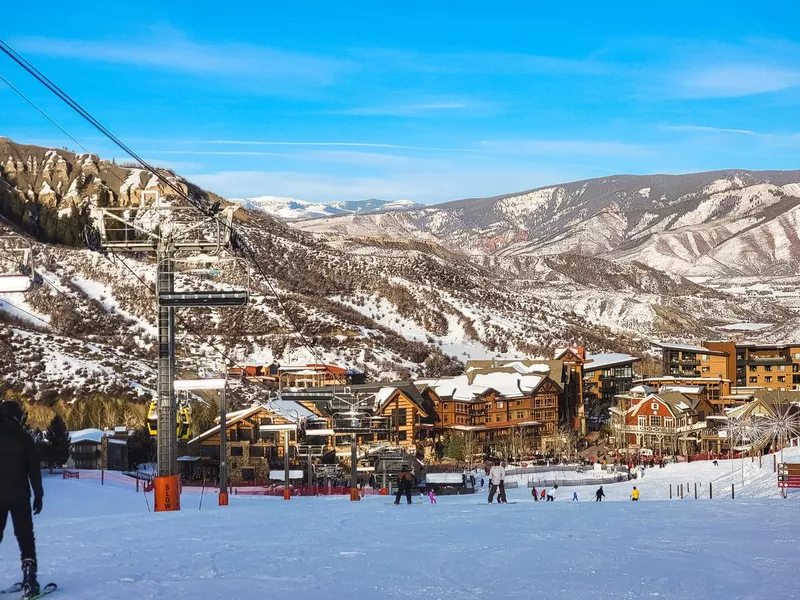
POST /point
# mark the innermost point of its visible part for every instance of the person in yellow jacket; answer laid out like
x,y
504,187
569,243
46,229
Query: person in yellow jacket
x,y
635,494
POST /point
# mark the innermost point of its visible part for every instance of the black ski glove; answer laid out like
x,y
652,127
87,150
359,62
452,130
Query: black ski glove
x,y
37,505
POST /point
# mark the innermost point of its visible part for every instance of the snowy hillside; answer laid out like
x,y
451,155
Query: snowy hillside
x,y
393,306
102,541
291,209
718,223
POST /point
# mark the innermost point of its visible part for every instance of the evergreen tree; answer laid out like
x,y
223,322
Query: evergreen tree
x,y
141,448
58,442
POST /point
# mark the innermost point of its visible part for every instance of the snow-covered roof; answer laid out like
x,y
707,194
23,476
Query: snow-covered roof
x,y
87,435
602,361
683,389
278,407
642,389
444,478
521,368
687,347
509,385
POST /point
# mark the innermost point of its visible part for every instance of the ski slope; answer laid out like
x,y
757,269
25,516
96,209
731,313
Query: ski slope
x,y
101,542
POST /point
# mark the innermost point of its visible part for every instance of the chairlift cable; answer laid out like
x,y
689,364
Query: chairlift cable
x,y
242,245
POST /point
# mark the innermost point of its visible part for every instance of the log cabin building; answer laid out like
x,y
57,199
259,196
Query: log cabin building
x,y
251,450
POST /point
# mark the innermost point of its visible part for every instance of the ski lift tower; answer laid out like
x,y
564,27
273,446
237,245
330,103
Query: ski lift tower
x,y
171,232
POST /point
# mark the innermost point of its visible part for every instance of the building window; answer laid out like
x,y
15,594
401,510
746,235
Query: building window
x,y
767,379
248,474
497,419
237,451
781,367
256,451
669,422
796,355
753,368
245,435
781,378
768,367
754,380
401,436
655,421
446,419
265,421
705,369
499,404
399,416
642,421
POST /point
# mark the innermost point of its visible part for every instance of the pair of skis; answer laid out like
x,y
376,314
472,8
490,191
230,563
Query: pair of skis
x,y
17,588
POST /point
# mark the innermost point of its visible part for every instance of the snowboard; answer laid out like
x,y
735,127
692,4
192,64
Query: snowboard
x,y
17,589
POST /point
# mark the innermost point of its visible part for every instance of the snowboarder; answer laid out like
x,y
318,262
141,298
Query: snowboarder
x,y
19,472
635,494
496,476
535,495
404,482
574,496
551,497
432,496
715,463
599,494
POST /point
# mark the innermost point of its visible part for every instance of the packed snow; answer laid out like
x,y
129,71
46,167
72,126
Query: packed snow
x,y
102,541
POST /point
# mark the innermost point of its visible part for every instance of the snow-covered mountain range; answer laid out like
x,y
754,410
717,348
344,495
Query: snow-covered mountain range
x,y
722,223
292,209
396,293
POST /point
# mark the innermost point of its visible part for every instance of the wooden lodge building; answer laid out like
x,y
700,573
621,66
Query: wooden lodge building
x,y
252,450
745,364
298,376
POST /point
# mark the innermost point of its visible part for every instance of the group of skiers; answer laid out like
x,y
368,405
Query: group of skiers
x,y
20,471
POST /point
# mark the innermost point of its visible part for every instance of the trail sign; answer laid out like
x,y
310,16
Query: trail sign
x,y
789,475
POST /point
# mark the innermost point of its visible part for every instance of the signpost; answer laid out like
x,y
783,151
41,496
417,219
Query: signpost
x,y
789,475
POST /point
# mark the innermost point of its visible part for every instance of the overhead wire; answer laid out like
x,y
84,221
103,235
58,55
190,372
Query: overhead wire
x,y
237,241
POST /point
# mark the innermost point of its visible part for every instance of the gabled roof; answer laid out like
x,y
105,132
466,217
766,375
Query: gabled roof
x,y
235,417
387,394
604,361
647,400
690,348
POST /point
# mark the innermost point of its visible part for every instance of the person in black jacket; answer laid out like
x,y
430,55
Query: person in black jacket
x,y
599,494
404,483
19,472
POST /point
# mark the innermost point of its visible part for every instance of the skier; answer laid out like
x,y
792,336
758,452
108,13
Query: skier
x,y
543,494
432,496
551,497
635,494
404,482
496,476
574,496
535,495
599,494
19,472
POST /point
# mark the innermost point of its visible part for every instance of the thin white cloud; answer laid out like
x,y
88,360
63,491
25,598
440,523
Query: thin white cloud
x,y
570,147
419,109
320,144
175,52
735,80
707,129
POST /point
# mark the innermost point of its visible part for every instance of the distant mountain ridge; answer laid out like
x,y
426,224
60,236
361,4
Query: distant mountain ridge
x,y
292,209
718,223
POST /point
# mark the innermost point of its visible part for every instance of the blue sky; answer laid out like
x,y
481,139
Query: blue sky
x,y
427,101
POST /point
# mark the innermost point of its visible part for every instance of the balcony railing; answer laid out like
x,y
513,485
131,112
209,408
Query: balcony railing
x,y
769,360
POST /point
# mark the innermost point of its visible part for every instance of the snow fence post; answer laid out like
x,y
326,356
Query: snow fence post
x,y
759,461
733,495
774,463
102,477
681,491
695,490
670,491
710,492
